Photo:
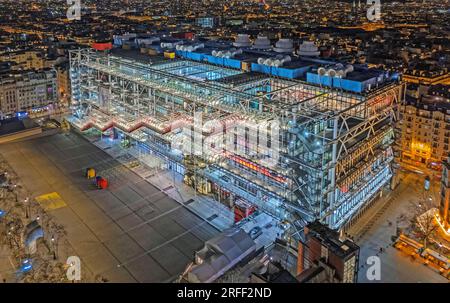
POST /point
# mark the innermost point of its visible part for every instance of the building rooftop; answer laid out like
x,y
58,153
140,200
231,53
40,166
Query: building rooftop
x,y
13,76
330,238
275,273
220,254
310,273
13,125
429,103
135,54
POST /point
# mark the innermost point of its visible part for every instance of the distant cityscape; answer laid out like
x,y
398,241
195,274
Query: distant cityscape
x,y
225,141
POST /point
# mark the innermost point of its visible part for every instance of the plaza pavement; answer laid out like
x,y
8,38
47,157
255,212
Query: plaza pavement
x,y
131,232
374,231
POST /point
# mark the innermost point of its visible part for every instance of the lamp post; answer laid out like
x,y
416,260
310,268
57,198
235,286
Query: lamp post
x,y
9,238
54,247
12,237
26,207
15,193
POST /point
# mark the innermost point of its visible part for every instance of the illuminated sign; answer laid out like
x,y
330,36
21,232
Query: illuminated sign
x,y
258,168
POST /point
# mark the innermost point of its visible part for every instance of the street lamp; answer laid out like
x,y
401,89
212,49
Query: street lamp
x,y
26,207
54,247
15,193
10,238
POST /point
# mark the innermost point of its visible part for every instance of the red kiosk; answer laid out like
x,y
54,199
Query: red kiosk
x,y
242,210
101,182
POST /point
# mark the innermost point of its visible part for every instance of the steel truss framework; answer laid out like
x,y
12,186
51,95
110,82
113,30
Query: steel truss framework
x,y
330,141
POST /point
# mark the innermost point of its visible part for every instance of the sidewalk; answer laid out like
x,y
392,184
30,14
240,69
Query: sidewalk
x,y
6,267
172,184
45,267
269,227
365,222
169,182
422,170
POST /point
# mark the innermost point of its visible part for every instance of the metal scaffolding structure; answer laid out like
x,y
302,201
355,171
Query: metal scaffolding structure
x,y
333,148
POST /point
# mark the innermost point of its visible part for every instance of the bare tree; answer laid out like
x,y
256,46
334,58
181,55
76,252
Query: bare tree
x,y
423,216
46,266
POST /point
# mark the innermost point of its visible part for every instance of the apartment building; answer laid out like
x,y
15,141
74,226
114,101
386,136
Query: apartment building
x,y
325,256
444,205
424,128
63,81
25,91
25,60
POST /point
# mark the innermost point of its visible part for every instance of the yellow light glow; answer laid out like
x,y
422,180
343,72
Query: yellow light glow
x,y
438,220
422,147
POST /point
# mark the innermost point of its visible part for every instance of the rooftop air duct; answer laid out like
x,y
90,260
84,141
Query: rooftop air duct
x,y
242,40
170,44
278,61
284,46
147,41
281,61
308,49
262,42
337,70
192,48
226,54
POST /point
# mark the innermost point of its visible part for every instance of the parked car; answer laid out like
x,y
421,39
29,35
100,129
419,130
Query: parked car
x,y
255,232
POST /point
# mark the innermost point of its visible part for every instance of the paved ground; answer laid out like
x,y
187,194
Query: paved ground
x,y
395,265
135,232
130,232
219,215
6,267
